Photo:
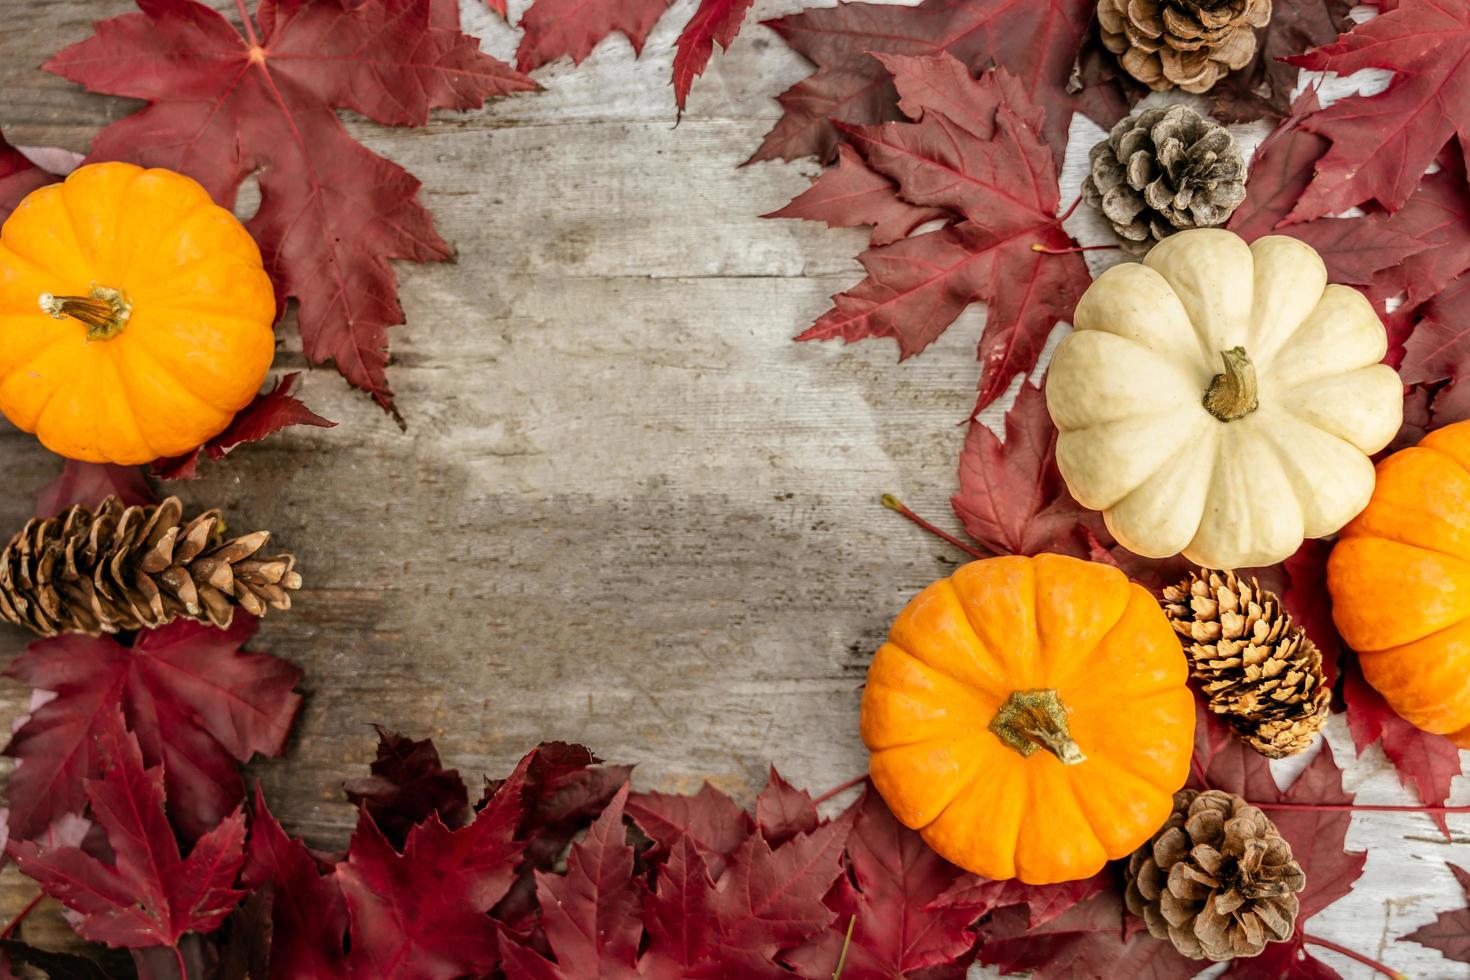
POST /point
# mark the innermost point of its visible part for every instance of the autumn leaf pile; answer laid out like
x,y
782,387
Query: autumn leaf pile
x,y
956,112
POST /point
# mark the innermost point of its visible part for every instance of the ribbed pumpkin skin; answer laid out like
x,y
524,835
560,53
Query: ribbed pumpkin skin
x,y
1400,583
961,648
196,347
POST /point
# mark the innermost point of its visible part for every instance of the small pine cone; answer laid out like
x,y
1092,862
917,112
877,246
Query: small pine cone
x,y
1189,44
1163,170
125,568
1217,880
1257,668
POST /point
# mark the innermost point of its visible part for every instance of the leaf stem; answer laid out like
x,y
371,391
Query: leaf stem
x,y
250,34
179,958
9,930
894,504
1359,807
1068,213
854,781
1350,954
1044,250
847,942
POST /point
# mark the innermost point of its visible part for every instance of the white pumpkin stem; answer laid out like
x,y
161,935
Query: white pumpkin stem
x,y
105,311
1031,720
1232,395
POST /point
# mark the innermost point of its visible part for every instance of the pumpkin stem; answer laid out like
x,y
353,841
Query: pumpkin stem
x,y
105,312
1232,395
1031,720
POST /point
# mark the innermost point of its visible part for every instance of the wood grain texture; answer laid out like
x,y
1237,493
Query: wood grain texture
x,y
627,510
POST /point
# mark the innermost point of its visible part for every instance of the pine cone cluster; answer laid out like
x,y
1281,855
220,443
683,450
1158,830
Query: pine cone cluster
x,y
1218,880
1189,44
125,568
1258,669
1162,170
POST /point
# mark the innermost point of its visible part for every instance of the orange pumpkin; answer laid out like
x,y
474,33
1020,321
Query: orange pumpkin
x,y
135,315
1029,717
1400,583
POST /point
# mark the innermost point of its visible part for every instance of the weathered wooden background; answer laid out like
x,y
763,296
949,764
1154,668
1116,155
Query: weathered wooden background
x,y
627,511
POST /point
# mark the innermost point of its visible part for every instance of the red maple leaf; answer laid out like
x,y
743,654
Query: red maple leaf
x,y
1263,88
1088,940
1426,763
1035,40
197,703
766,900
593,914
268,413
1043,902
1382,144
716,21
407,784
709,819
782,811
150,895
225,103
989,166
572,28
1436,350
424,907
1438,215
852,194
1357,249
308,915
1450,931
88,484
1012,499
1305,597
897,896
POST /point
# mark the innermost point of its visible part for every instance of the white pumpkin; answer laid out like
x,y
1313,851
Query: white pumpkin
x,y
1222,400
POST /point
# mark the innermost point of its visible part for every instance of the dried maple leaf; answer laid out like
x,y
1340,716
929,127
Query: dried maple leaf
x,y
1356,250
563,790
989,165
572,28
709,819
225,103
1035,41
714,21
425,906
1450,931
150,895
892,895
1043,902
1438,215
267,414
852,194
592,914
1086,941
1012,498
1436,350
1426,763
782,811
55,966
1263,88
766,900
88,484
1382,144
308,915
197,702
1305,597
408,783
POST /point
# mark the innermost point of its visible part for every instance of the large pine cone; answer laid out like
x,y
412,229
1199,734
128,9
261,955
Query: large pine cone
x,y
1218,880
1257,667
125,568
1190,44
1163,170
